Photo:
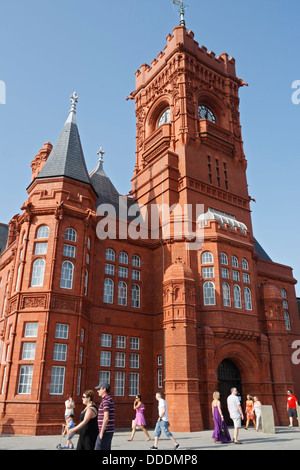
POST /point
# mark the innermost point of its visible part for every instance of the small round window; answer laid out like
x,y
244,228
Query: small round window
x,y
205,113
164,118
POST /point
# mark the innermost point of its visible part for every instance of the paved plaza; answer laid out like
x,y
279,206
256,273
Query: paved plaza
x,y
285,439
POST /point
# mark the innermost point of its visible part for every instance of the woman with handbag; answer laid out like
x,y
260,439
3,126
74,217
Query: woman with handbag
x,y
139,408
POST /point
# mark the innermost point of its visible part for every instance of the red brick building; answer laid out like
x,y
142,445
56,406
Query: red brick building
x,y
146,313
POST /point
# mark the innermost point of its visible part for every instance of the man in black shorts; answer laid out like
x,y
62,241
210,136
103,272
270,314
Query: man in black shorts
x,y
291,407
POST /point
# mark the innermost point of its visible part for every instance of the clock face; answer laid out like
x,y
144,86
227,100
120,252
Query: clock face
x,y
205,113
164,118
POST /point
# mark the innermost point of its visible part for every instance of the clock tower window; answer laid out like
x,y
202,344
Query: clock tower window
x,y
205,113
165,117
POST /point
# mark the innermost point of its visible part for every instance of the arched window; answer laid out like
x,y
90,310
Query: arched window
x,y
164,118
110,255
86,282
226,295
122,293
3,307
108,294
209,295
207,257
224,258
43,232
123,257
67,271
248,300
136,261
135,296
234,262
237,296
245,264
70,235
38,270
287,321
18,277
283,293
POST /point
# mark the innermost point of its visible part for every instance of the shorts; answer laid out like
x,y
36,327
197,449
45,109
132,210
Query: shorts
x,y
237,422
105,442
162,426
71,436
292,413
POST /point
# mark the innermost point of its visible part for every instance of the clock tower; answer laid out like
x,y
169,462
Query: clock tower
x,y
189,144
189,152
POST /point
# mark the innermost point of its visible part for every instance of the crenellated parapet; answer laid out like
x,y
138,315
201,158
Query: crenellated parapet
x,y
183,41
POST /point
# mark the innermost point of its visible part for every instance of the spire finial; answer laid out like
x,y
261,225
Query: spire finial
x,y
73,99
100,153
181,11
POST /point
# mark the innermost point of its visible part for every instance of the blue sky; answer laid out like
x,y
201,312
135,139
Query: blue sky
x,y
49,48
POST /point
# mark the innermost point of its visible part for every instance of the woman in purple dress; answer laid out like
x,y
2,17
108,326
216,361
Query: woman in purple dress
x,y
221,433
139,408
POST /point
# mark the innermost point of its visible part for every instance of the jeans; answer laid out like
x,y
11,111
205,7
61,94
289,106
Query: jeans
x,y
105,442
162,426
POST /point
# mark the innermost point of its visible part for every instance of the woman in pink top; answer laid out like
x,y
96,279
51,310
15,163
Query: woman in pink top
x,y
139,408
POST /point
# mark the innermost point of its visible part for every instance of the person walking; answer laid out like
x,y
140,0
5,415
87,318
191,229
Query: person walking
x,y
235,412
139,408
88,429
250,411
221,433
106,418
162,423
257,411
291,407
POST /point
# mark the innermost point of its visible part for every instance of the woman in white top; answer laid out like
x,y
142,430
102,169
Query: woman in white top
x,y
70,406
257,410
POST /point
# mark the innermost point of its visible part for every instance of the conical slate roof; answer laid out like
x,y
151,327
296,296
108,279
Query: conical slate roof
x,y
66,158
103,186
107,193
4,229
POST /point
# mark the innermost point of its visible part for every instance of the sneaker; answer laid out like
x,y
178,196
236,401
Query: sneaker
x,y
176,447
154,448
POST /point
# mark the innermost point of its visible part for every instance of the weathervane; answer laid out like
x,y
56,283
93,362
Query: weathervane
x,y
100,153
73,99
181,11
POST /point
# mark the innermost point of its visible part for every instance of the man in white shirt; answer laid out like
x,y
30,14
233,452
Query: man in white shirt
x,y
235,412
162,422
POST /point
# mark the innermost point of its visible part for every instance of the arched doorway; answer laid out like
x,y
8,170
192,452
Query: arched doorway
x,y
228,376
